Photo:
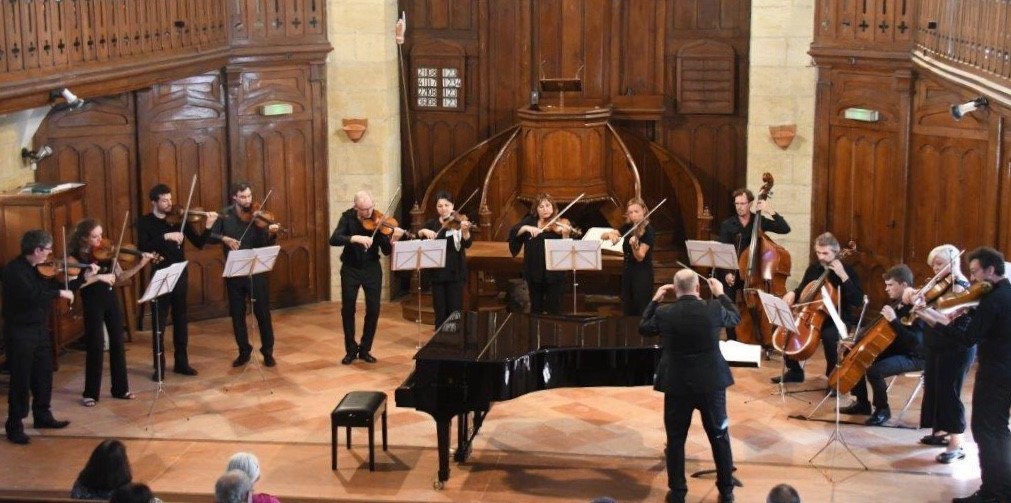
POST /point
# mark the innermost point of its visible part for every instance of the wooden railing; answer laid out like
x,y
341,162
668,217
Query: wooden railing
x,y
108,46
972,34
885,24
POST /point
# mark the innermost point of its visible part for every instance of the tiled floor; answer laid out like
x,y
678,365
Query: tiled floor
x,y
561,445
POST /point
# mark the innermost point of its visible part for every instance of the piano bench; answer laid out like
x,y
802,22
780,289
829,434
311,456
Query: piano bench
x,y
358,409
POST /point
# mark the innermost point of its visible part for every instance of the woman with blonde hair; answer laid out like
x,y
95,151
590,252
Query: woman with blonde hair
x,y
637,251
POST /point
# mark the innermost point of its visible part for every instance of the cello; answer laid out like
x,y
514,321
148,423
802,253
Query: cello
x,y
870,344
764,265
809,311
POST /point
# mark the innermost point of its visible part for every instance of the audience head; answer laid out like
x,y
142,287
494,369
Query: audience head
x,y
107,468
133,493
233,487
247,463
783,493
604,499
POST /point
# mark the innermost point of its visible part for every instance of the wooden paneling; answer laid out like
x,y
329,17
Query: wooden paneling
x,y
96,145
182,133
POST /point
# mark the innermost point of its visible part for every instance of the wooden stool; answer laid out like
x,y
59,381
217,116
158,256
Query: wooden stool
x,y
358,409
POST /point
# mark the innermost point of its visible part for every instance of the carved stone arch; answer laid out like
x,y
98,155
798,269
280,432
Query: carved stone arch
x,y
706,78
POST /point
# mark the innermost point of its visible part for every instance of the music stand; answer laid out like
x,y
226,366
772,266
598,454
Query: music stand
x,y
162,283
712,254
561,85
418,255
597,234
780,315
247,263
572,255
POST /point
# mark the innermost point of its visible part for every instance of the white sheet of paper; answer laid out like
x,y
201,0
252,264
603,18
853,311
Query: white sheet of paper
x,y
740,354
711,254
833,312
778,312
597,233
250,261
571,255
418,254
163,281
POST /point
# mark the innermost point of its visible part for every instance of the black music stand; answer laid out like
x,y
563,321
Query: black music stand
x,y
247,263
162,283
780,315
572,255
418,255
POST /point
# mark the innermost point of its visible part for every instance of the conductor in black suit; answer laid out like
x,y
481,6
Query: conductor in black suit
x,y
693,374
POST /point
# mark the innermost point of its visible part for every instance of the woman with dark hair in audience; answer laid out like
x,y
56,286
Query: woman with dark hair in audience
x,y
107,470
134,492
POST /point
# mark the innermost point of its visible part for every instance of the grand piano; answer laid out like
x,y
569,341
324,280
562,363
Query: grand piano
x,y
496,356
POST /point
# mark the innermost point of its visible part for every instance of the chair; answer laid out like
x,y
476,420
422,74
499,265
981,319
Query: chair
x,y
912,396
358,409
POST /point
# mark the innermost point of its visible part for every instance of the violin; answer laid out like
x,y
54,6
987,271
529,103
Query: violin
x,y
382,223
564,225
455,222
52,268
261,218
174,216
128,253
960,302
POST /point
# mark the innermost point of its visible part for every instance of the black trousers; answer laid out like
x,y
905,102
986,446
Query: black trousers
x,y
174,303
30,358
447,298
370,279
943,376
636,290
829,342
101,310
991,407
677,419
879,371
258,289
545,297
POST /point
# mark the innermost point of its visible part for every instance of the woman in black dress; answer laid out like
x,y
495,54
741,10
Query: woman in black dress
x,y
448,282
637,250
545,287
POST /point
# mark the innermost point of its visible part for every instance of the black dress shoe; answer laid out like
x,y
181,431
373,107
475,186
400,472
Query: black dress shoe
x,y
937,440
790,376
241,360
879,417
858,407
18,437
976,497
185,370
947,457
364,355
269,360
50,423
725,498
348,358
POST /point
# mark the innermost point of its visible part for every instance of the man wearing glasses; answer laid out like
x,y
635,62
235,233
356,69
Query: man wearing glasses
x,y
359,231
27,296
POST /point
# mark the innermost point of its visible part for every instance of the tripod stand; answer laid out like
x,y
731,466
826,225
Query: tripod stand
x,y
837,436
418,255
570,255
162,283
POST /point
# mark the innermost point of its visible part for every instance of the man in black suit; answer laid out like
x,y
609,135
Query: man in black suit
x,y
693,374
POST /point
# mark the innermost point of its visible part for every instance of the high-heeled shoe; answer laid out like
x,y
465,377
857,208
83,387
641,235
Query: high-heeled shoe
x,y
947,457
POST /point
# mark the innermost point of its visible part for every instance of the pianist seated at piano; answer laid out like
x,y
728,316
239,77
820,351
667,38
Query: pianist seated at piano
x,y
448,282
693,374
545,287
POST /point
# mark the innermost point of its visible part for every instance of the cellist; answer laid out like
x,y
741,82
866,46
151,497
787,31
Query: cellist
x,y
826,250
904,354
736,230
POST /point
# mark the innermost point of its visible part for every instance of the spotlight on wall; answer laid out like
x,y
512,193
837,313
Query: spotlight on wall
x,y
959,111
72,102
34,156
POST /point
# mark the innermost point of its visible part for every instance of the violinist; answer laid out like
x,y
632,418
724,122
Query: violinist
x,y
448,282
545,287
101,313
737,230
158,234
637,251
947,363
990,327
904,354
235,229
363,231
842,276
27,298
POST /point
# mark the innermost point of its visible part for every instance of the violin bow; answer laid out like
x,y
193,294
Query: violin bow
x,y
560,213
66,280
944,271
472,194
119,245
253,218
630,231
186,212
393,201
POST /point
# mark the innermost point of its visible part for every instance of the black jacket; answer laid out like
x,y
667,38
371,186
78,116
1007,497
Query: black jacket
x,y
852,295
691,361
27,296
456,260
231,225
991,329
908,340
355,255
151,232
732,232
534,266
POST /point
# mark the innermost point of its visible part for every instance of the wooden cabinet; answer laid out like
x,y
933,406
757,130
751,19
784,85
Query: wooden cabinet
x,y
52,212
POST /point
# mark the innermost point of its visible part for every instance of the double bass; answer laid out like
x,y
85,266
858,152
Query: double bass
x,y
809,311
764,265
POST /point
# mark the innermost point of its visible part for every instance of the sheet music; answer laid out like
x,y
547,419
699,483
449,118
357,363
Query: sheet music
x,y
739,354
597,233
